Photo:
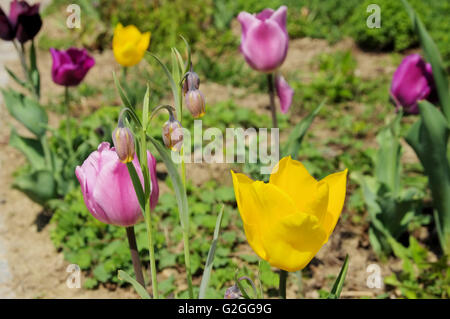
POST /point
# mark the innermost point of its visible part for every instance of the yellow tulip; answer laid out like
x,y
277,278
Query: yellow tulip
x,y
289,219
129,44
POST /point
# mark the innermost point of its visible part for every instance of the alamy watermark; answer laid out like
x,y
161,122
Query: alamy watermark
x,y
373,20
237,146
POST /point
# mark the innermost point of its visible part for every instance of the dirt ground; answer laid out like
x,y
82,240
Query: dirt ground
x,y
36,270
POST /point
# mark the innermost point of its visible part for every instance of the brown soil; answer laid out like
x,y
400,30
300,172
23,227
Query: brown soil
x,y
39,271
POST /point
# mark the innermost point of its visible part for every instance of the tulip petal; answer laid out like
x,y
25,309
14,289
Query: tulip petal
x,y
292,242
246,20
280,17
265,46
337,183
284,92
293,178
265,14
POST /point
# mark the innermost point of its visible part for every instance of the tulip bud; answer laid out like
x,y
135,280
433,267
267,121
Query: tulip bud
x,y
191,82
195,102
123,143
172,134
233,293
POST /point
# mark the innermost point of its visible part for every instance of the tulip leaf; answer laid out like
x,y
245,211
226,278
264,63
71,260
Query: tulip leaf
x,y
180,191
429,137
433,56
209,261
27,111
137,185
173,85
335,292
126,102
298,132
188,48
122,275
18,81
145,108
30,147
34,71
38,185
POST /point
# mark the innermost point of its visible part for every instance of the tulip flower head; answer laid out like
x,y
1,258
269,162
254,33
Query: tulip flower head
x,y
287,220
412,82
264,39
195,102
23,23
129,44
70,66
107,188
191,82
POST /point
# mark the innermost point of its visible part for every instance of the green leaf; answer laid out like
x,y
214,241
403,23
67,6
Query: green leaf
x,y
137,286
137,185
39,185
296,136
180,191
27,111
188,48
16,78
126,102
30,147
428,137
145,108
335,292
433,56
209,261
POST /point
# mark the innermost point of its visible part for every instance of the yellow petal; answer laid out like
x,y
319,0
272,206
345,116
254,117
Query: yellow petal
x,y
337,183
260,205
308,195
129,44
144,42
293,241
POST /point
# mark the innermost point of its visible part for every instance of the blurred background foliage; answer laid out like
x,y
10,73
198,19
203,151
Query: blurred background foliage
x,y
355,111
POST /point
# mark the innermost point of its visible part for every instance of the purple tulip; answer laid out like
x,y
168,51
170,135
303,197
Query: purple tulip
x,y
71,66
6,29
412,82
108,190
264,40
285,93
23,23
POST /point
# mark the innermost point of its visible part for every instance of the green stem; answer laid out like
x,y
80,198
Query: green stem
x,y
187,256
68,127
283,278
147,213
135,255
272,100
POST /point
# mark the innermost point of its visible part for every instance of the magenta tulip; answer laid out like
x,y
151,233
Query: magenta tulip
x,y
108,190
71,66
285,93
412,82
264,40
23,23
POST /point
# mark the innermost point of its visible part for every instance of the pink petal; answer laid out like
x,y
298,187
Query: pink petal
x,y
280,17
285,93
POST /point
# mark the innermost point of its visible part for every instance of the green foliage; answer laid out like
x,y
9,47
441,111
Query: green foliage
x,y
420,278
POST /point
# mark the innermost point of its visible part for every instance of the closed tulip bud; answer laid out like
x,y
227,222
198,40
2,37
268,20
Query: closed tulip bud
x,y
25,20
129,44
195,102
123,143
412,82
108,190
172,134
264,40
191,82
70,66
284,92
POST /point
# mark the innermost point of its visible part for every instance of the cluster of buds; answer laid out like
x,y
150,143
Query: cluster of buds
x,y
172,134
123,142
194,99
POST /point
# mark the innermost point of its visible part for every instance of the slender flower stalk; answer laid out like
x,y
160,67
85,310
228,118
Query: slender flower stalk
x,y
68,118
283,279
135,255
273,110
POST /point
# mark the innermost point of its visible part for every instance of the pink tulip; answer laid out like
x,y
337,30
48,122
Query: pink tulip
x,y
285,93
264,40
108,190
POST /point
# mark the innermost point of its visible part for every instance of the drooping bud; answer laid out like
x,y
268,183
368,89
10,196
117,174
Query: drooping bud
x,y
172,134
123,143
191,82
195,102
233,293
